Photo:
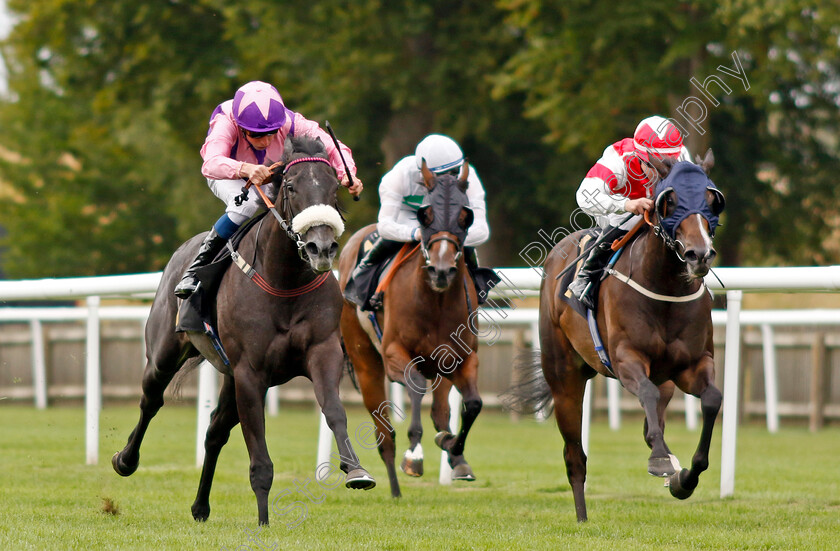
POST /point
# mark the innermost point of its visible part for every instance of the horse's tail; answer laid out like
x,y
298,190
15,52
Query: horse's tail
x,y
529,393
181,376
348,366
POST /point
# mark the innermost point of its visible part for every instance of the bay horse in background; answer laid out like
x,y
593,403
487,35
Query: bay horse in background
x,y
426,330
281,324
656,326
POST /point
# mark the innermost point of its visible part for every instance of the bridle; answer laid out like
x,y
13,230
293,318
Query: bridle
x,y
459,247
671,242
287,206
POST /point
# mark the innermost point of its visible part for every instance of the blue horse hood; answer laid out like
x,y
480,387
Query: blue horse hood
x,y
690,184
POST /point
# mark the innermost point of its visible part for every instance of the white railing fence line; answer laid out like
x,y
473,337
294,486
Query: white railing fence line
x,y
737,280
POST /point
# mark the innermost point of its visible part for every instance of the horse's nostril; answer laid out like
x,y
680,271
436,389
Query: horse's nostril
x,y
453,271
710,255
311,249
333,249
691,255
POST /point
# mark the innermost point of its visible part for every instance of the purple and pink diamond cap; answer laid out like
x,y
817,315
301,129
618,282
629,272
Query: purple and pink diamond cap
x,y
258,107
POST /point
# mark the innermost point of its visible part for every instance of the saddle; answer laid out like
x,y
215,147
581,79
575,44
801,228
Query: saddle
x,y
198,312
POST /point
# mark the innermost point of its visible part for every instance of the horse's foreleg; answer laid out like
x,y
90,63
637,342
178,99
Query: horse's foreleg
x,y
682,484
324,361
155,381
223,419
412,463
633,375
465,380
666,392
250,404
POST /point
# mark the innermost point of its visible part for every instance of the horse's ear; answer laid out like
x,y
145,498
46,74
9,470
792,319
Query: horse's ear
x,y
661,164
465,218
288,149
707,162
715,200
425,215
463,179
428,176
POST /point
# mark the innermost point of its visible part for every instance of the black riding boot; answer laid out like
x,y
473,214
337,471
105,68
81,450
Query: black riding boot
x,y
208,250
592,266
483,278
359,285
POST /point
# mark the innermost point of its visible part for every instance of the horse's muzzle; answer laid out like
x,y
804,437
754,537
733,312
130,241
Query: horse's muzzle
x,y
441,278
699,261
320,248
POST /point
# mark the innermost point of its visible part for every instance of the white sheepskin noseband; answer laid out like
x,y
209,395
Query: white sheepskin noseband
x,y
318,215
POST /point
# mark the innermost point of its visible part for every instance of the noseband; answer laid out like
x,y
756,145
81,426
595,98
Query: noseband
x,y
426,246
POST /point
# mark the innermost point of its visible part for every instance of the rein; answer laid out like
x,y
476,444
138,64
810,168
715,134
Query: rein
x,y
249,270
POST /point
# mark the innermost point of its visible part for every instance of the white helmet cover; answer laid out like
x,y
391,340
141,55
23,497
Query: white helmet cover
x,y
441,153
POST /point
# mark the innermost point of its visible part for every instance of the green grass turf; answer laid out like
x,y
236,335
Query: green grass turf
x,y
787,489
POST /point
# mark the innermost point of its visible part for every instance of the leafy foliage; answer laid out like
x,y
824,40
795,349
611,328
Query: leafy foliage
x,y
108,106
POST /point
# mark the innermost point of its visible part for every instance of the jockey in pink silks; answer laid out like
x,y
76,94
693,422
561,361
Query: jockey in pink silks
x,y
247,135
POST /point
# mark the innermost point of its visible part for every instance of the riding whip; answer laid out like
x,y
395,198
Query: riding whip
x,y
338,148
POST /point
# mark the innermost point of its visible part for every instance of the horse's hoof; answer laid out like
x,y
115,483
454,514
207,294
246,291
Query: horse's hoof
x,y
200,512
121,468
463,472
412,467
661,466
359,479
677,486
412,463
442,437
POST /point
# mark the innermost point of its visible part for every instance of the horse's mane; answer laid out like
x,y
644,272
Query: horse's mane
x,y
312,147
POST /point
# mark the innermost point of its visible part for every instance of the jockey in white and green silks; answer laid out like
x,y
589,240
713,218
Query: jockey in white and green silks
x,y
401,193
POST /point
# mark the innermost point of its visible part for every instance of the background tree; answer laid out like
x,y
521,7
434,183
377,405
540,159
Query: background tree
x,y
109,102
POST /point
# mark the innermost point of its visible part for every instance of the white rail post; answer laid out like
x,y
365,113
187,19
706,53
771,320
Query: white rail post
x,y
272,401
587,416
691,412
398,399
93,382
771,393
454,416
614,403
325,438
39,364
731,361
208,398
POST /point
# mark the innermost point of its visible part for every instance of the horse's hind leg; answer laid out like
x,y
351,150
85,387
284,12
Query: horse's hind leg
x,y
160,369
682,484
567,383
223,419
412,463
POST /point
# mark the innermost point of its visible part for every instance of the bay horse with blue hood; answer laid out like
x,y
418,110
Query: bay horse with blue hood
x,y
654,316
